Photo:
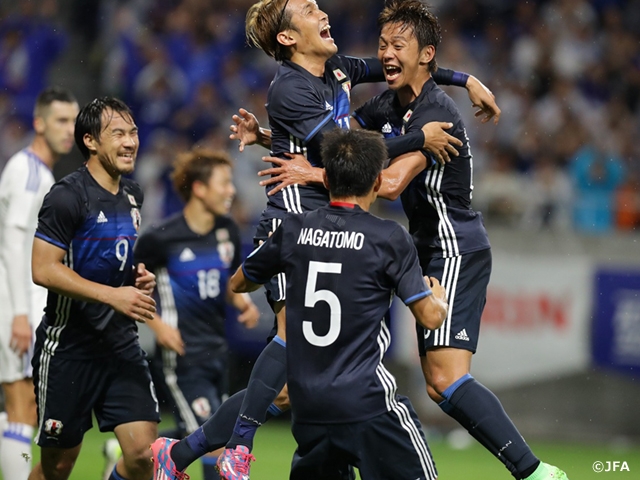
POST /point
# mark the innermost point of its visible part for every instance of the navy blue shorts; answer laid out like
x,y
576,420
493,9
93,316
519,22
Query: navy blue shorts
x,y
68,391
465,278
197,384
389,446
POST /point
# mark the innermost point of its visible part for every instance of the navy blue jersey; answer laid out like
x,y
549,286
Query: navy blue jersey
x,y
438,200
300,105
97,229
343,266
192,272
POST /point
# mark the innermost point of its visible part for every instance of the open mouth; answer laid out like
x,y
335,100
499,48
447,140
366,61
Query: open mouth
x,y
392,72
325,32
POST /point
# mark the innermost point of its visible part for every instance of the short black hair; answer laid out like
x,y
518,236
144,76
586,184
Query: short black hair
x,y
352,159
49,95
89,120
415,15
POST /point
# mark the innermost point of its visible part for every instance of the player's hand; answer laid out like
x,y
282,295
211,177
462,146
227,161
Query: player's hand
x,y
145,280
439,142
133,303
250,316
169,337
296,170
21,334
438,290
246,128
483,99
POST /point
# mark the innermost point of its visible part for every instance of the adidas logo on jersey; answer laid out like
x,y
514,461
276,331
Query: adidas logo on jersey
x,y
462,335
386,128
102,218
328,106
187,255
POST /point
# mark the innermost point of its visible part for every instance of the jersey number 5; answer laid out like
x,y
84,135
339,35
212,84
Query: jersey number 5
x,y
313,296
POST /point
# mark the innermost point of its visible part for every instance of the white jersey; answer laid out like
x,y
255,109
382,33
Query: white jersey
x,y
24,182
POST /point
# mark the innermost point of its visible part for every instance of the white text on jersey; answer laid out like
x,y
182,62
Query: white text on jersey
x,y
319,238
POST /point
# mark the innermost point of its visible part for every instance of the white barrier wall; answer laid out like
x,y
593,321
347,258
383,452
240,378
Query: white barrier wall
x,y
535,324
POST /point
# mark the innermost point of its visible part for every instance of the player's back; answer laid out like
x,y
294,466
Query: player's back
x,y
342,267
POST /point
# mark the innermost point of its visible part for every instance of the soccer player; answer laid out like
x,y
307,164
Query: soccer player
x,y
450,237
193,254
26,179
87,358
343,265
309,96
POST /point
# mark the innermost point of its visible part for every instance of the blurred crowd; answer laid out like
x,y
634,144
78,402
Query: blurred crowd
x,y
566,74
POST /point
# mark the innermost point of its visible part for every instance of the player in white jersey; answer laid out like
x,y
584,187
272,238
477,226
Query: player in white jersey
x,y
25,181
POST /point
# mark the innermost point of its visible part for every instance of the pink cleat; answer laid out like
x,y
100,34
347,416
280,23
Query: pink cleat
x,y
234,463
163,466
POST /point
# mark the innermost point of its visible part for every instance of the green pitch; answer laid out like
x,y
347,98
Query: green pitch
x,y
274,446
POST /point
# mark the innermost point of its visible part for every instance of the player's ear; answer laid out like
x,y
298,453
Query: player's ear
x,y
378,183
285,38
38,125
90,143
325,181
427,54
198,189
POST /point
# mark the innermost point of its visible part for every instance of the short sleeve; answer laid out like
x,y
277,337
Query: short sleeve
x,y
23,192
148,250
266,260
61,215
404,268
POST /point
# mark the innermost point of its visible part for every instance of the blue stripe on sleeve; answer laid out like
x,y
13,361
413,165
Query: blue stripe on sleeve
x,y
52,241
417,297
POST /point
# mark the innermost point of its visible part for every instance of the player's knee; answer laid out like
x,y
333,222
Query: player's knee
x,y
59,470
282,400
438,383
137,462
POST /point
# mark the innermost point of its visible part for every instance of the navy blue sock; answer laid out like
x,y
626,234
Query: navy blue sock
x,y
487,421
209,471
213,434
267,379
115,476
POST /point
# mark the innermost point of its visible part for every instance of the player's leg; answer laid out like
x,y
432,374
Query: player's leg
x,y
20,406
446,366
55,463
15,452
175,456
392,445
63,418
129,408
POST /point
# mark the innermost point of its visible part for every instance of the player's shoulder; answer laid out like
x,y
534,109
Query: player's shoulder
x,y
131,187
435,98
226,221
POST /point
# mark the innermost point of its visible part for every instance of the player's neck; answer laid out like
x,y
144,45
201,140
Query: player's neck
x,y
110,182
411,91
198,219
41,149
363,202
311,63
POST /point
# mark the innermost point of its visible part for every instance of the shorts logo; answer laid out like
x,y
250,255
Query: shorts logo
x,y
462,335
201,407
53,427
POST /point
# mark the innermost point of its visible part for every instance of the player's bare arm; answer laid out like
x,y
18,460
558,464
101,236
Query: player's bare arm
x,y
249,313
483,99
399,174
50,272
167,336
431,311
